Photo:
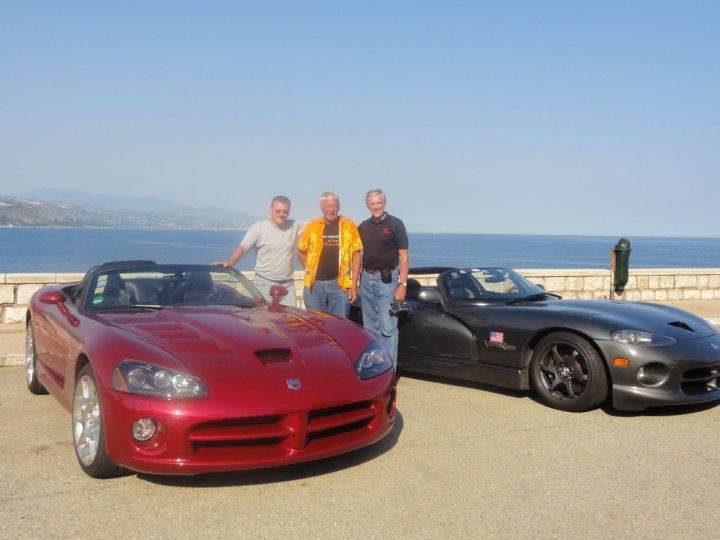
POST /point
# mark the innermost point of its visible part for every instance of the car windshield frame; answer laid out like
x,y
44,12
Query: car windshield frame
x,y
487,284
157,286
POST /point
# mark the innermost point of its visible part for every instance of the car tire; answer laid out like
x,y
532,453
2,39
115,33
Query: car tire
x,y
567,373
88,428
31,378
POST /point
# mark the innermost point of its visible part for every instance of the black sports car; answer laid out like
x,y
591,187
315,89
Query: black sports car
x,y
493,326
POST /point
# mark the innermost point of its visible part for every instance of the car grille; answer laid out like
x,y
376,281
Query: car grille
x,y
272,437
698,381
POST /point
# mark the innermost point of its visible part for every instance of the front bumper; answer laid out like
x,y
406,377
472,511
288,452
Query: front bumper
x,y
688,372
634,398
217,435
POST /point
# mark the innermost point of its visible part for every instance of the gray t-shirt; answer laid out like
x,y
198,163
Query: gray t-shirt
x,y
274,248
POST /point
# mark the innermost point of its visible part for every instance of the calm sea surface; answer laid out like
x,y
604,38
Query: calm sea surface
x,y
75,250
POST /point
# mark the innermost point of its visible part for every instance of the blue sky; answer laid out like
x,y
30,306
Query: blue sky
x,y
517,117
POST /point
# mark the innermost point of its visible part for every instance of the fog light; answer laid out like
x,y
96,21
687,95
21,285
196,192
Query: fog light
x,y
653,374
144,429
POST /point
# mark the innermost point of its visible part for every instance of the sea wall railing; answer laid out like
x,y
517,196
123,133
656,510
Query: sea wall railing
x,y
652,285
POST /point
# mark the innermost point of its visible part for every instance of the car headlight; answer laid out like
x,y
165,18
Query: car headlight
x,y
146,379
373,361
638,337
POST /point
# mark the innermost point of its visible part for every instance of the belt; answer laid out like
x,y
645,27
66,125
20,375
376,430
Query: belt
x,y
274,280
376,270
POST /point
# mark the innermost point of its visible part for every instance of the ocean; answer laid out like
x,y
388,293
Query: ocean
x,y
31,250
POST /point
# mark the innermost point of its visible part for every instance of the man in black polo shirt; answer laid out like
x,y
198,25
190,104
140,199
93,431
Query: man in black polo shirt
x,y
385,270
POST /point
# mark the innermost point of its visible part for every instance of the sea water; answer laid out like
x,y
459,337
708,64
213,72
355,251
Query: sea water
x,y
31,250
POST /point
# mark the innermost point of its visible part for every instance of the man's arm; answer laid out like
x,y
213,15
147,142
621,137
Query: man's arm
x,y
403,275
234,258
355,266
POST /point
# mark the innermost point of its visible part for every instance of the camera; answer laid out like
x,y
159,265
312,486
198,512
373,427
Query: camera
x,y
400,308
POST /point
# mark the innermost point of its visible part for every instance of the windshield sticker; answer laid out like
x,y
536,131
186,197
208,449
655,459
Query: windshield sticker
x,y
101,283
97,300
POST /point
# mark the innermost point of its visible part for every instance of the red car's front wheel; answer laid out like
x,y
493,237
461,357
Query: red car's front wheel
x,y
88,429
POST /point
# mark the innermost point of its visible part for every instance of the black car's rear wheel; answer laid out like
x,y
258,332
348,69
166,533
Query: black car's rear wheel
x,y
88,428
567,373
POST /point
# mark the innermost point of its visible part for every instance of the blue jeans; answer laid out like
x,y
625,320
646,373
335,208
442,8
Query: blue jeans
x,y
375,298
327,296
263,285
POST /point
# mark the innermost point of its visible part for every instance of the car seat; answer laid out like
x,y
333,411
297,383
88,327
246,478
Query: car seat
x,y
113,293
196,288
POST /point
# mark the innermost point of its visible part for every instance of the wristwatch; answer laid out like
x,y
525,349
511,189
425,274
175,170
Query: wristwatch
x,y
403,283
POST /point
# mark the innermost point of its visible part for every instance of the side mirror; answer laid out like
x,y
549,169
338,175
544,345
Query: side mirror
x,y
429,296
53,297
57,298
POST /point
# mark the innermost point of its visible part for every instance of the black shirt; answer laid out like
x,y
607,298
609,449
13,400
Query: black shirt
x,y
330,255
381,240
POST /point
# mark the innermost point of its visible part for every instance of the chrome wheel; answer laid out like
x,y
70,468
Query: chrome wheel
x,y
88,429
87,420
31,379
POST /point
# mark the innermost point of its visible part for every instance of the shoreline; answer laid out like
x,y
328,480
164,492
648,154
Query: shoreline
x,y
427,233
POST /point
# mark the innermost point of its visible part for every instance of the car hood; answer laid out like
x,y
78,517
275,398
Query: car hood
x,y
251,343
617,314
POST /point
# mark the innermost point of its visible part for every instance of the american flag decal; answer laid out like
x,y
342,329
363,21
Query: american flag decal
x,y
497,337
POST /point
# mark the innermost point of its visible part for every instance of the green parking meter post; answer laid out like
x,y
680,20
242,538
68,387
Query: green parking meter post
x,y
621,264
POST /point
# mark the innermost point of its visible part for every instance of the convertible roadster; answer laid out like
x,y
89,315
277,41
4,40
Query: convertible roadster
x,y
179,369
491,325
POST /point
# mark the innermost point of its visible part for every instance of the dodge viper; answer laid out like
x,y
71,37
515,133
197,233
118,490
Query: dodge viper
x,y
185,369
491,325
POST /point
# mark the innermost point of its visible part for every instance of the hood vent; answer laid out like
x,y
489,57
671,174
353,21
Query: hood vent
x,y
682,326
273,355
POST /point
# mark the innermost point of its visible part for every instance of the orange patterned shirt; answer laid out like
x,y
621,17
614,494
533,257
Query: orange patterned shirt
x,y
311,241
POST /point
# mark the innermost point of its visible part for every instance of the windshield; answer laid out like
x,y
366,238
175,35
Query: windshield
x,y
168,285
488,284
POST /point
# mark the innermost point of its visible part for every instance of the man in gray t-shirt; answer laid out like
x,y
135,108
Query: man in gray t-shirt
x,y
274,241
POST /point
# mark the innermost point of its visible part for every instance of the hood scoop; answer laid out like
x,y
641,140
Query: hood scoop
x,y
681,325
271,356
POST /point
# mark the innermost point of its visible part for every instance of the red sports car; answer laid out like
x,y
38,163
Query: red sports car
x,y
185,369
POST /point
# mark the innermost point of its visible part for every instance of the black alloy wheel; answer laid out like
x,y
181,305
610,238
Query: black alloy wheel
x,y
567,373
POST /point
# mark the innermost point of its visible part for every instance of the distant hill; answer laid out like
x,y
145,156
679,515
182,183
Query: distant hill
x,y
64,208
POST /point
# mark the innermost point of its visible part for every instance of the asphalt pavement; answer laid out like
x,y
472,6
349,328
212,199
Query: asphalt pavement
x,y
463,461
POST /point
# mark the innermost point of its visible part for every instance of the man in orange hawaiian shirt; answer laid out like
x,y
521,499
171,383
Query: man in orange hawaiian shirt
x,y
329,250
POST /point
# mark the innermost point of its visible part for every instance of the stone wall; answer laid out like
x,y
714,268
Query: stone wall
x,y
649,284
655,285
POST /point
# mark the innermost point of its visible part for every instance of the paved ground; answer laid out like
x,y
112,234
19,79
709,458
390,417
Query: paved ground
x,y
462,462
12,344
